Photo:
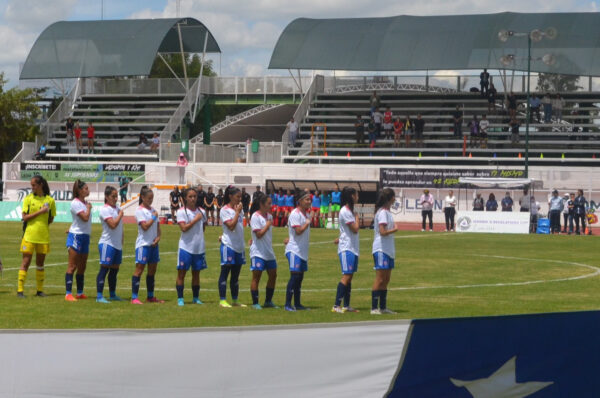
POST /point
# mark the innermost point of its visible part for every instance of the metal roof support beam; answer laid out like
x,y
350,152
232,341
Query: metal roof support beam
x,y
182,57
172,71
200,76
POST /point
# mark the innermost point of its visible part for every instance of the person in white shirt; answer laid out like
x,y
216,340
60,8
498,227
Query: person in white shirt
x,y
348,249
110,245
262,256
78,240
192,223
146,246
384,251
232,246
426,201
296,249
484,125
450,210
292,126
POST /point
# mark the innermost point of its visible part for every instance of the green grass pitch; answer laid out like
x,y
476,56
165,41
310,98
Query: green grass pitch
x,y
436,275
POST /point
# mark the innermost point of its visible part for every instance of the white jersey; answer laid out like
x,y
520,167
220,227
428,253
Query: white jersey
x,y
110,236
348,239
192,241
233,239
384,243
78,226
145,238
263,247
298,244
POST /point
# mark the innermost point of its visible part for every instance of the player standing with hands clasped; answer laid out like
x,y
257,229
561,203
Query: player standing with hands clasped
x,y
296,250
192,222
383,251
78,240
348,246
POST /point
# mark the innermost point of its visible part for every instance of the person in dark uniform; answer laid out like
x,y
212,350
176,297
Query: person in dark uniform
x,y
579,205
209,205
219,203
201,196
176,202
246,205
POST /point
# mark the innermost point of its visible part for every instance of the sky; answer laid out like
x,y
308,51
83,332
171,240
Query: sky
x,y
246,30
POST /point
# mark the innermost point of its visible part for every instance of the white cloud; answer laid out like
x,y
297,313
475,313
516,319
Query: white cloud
x,y
32,15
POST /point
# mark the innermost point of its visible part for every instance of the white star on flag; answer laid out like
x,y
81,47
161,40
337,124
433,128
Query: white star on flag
x,y
501,384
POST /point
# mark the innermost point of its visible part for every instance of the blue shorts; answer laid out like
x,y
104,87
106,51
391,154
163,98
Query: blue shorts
x,y
231,257
259,264
109,255
147,255
79,242
296,263
185,260
383,261
349,262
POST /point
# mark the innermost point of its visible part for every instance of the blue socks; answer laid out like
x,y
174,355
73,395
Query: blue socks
x,y
341,293
375,299
179,289
383,300
233,282
223,281
347,295
297,289
269,295
293,288
79,281
195,291
100,281
254,294
112,281
69,283
150,285
135,287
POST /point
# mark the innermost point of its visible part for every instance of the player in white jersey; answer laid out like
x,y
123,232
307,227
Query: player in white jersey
x,y
110,245
383,251
146,246
192,222
348,249
296,249
262,256
78,240
232,246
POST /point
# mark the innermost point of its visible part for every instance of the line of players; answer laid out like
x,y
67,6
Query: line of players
x,y
39,210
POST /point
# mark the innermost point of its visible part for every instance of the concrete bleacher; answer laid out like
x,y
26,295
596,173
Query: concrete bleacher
x,y
575,135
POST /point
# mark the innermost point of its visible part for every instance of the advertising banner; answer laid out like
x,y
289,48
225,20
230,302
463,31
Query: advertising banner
x,y
12,211
87,172
492,222
438,178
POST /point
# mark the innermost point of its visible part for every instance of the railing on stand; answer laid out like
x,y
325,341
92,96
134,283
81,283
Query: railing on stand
x,y
63,110
316,86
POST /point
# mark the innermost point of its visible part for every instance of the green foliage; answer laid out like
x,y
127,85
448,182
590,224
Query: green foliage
x,y
552,82
18,113
193,64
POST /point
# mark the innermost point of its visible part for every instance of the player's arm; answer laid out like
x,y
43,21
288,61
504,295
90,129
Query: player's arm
x,y
383,231
261,232
301,228
187,226
232,223
85,215
146,224
354,224
114,222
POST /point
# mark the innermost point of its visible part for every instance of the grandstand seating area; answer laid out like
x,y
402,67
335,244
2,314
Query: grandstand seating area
x,y
576,136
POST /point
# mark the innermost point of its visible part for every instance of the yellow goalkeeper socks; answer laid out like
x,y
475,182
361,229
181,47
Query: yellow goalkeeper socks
x,y
21,281
39,279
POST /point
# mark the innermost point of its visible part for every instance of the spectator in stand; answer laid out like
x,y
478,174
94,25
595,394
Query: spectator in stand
x,y
426,201
292,126
90,137
514,131
359,127
143,139
511,101
491,204
176,202
155,143
42,152
556,206
478,204
571,208
484,82
378,119
69,129
473,126
535,210
219,200
450,210
525,201
77,132
408,130
547,104
388,117
534,108
398,128
372,132
565,212
507,202
492,93
484,124
579,207
558,103
209,205
182,164
457,118
374,101
419,128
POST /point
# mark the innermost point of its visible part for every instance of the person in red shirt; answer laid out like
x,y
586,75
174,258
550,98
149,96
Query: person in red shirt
x,y
77,131
388,119
90,137
398,128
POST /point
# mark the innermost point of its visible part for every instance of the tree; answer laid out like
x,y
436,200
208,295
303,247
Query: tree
x,y
18,113
193,64
552,82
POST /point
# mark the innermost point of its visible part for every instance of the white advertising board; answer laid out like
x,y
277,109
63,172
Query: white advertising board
x,y
492,222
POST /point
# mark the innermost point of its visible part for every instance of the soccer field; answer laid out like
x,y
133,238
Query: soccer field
x,y
436,275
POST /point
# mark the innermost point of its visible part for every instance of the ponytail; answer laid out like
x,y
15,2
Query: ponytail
x,y
348,197
260,200
77,187
143,192
385,195
229,192
42,181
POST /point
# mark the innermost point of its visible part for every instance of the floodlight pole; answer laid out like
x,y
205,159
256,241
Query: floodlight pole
x,y
528,113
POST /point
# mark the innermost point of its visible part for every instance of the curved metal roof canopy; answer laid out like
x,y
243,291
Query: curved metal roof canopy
x,y
439,42
69,49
